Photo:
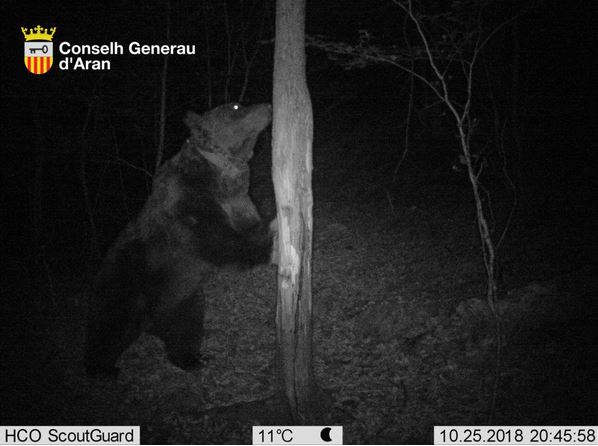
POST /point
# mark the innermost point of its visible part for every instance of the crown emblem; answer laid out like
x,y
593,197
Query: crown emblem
x,y
38,33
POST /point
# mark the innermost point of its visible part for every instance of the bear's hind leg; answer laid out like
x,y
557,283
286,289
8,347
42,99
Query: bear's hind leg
x,y
116,308
181,329
109,332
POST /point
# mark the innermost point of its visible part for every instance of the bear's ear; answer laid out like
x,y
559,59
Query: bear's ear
x,y
193,121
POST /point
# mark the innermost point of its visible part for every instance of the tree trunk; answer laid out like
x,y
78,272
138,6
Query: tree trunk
x,y
292,168
93,233
36,209
163,97
208,53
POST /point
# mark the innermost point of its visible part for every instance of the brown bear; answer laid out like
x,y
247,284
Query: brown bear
x,y
198,216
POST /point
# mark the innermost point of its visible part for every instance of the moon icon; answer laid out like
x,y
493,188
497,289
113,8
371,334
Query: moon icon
x,y
325,434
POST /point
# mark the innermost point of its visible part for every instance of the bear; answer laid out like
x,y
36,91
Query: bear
x,y
198,217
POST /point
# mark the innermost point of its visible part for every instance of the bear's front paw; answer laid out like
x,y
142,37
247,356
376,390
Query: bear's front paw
x,y
274,257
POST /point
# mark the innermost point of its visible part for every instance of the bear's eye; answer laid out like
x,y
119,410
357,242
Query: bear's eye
x,y
236,107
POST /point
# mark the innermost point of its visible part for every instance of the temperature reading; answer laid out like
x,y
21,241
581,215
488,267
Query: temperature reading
x,y
286,435
291,435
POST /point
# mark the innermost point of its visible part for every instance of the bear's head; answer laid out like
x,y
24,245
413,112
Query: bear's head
x,y
230,130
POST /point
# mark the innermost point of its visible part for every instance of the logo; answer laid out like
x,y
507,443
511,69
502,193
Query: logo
x,y
38,49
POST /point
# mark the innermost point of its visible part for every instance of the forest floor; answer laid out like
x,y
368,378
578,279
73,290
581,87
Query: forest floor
x,y
403,338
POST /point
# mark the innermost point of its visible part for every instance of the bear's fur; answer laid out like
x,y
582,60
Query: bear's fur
x,y
198,216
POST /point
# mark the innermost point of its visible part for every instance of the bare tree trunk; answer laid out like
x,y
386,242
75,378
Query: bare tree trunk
x,y
229,57
38,178
249,59
93,233
292,169
121,180
208,54
516,100
163,87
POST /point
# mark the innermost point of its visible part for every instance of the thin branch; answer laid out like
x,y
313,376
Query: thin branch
x,y
409,11
409,109
124,162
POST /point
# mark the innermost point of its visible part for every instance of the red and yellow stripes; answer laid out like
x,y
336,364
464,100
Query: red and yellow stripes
x,y
38,65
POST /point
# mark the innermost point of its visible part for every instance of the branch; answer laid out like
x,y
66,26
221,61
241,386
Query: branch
x,y
362,54
409,10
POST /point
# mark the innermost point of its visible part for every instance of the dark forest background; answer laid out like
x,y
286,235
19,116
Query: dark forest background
x,y
111,118
79,149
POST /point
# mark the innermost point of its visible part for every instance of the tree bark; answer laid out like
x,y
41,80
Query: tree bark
x,y
291,170
36,209
208,54
163,97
